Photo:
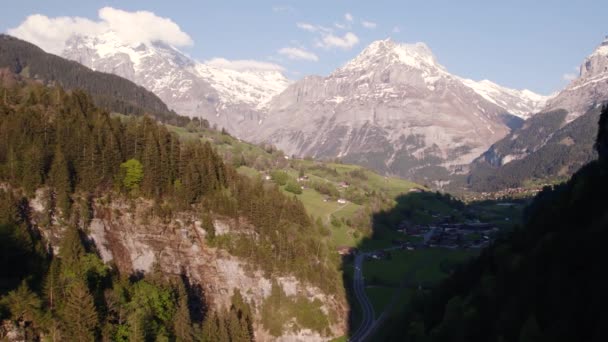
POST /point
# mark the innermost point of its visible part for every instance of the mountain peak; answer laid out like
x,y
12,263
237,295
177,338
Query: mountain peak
x,y
386,52
596,64
602,49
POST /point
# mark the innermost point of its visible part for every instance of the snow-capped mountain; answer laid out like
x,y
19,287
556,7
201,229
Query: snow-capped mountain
x,y
393,108
522,103
587,90
233,99
558,140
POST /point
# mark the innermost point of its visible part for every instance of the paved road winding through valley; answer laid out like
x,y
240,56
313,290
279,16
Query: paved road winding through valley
x,y
367,310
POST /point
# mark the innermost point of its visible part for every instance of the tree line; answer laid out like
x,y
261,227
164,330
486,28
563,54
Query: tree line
x,y
60,141
544,281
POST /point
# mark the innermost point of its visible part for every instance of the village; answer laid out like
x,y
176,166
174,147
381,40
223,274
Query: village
x,y
465,236
468,235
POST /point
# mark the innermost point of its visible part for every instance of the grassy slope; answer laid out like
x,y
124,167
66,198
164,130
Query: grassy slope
x,y
262,162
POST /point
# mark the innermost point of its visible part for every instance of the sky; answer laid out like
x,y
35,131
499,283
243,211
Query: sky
x,y
536,45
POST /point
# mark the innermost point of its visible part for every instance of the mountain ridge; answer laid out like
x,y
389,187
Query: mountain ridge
x,y
232,99
393,108
531,152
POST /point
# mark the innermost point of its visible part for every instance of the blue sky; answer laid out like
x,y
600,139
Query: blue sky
x,y
519,44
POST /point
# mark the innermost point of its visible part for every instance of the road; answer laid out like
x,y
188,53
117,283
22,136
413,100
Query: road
x,y
428,235
368,321
367,310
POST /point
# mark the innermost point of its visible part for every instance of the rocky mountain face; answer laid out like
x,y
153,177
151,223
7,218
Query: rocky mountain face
x,y
394,108
111,92
589,89
126,236
548,144
232,99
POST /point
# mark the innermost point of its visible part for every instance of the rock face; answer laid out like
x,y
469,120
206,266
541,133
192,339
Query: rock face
x,y
589,89
124,235
555,142
232,99
393,108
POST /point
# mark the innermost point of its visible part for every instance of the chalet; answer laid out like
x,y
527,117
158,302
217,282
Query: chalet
x,y
342,201
346,250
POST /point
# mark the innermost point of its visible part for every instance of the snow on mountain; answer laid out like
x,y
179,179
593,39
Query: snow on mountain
x,y
561,134
252,87
393,108
227,97
589,89
522,103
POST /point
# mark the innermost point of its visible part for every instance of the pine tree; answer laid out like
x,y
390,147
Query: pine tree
x,y
222,327
23,304
71,252
79,315
59,179
52,285
210,328
182,323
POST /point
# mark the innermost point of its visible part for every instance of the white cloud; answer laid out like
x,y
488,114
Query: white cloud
x,y
313,28
369,24
332,41
396,29
298,54
569,76
348,17
283,9
243,65
132,27
340,26
307,27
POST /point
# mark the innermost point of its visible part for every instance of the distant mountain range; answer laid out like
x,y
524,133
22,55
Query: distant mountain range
x,y
232,99
554,143
109,91
393,108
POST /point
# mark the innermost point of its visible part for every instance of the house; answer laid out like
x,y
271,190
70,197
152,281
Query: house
x,y
342,201
302,179
346,250
344,184
415,190
267,177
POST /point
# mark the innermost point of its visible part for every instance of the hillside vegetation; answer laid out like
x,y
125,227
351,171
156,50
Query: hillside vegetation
x,y
542,282
339,197
108,91
60,141
540,157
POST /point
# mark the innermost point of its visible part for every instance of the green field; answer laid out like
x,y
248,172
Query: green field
x,y
393,282
415,267
380,297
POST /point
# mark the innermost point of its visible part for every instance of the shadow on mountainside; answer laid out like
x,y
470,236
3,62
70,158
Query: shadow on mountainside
x,y
422,239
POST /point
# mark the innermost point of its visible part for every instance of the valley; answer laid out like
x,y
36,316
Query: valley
x,y
153,192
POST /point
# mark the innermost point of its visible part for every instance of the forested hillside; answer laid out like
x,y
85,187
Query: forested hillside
x,y
531,155
107,90
60,141
542,282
